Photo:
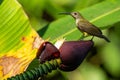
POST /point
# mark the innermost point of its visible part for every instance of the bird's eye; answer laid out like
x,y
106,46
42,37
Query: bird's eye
x,y
75,13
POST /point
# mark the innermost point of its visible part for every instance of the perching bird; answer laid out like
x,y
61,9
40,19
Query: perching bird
x,y
85,26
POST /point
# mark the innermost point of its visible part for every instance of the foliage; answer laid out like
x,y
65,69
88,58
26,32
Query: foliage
x,y
103,61
16,39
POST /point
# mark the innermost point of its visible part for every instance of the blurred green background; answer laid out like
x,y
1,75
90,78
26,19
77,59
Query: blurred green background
x,y
102,63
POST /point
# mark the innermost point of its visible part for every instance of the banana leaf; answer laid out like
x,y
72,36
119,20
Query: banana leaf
x,y
17,39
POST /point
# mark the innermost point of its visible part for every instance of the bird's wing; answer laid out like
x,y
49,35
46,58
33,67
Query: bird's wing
x,y
91,29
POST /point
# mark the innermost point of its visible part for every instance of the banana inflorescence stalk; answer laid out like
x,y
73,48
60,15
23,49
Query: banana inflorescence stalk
x,y
70,55
35,73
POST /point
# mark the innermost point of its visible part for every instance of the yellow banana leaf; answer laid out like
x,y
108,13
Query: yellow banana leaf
x,y
17,39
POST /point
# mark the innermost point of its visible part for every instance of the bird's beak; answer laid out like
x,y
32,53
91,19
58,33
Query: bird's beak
x,y
66,13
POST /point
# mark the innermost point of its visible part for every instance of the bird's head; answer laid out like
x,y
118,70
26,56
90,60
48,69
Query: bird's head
x,y
75,15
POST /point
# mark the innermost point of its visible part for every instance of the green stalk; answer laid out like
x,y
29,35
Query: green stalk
x,y
35,73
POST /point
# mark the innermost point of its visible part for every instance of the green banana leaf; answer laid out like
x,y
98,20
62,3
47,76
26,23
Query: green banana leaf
x,y
17,39
102,15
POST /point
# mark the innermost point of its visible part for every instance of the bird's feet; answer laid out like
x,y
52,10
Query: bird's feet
x,y
92,38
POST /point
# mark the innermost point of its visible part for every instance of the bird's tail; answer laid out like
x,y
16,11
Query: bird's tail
x,y
105,38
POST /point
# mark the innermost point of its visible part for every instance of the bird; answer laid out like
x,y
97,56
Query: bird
x,y
85,26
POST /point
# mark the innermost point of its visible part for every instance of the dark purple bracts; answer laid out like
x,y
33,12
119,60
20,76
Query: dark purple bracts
x,y
72,53
49,52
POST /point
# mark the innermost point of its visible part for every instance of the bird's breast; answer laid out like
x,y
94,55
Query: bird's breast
x,y
77,21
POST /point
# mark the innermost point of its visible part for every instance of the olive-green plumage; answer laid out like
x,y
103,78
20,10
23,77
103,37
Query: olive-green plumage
x,y
86,27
